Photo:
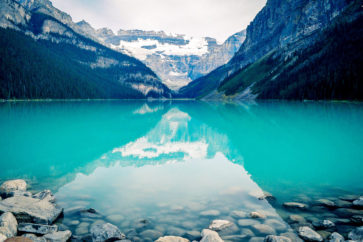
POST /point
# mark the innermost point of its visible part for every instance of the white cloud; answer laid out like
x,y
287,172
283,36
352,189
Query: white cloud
x,y
213,18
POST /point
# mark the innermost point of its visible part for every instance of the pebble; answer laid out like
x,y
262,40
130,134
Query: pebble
x,y
171,239
257,215
336,237
294,218
295,205
264,229
247,232
308,234
218,225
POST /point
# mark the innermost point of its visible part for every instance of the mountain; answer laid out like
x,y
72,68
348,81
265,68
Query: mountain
x,y
176,59
46,55
296,49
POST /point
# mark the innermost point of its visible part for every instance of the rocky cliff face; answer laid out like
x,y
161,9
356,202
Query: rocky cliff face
x,y
278,24
176,59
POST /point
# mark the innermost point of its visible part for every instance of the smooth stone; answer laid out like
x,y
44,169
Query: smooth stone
x,y
107,231
247,222
291,235
356,234
357,219
74,222
12,185
37,228
238,214
347,212
323,224
340,220
171,239
294,218
276,224
264,229
324,234
325,203
2,238
192,235
349,198
257,215
267,196
343,204
358,202
34,238
115,218
235,237
274,238
257,239
218,225
308,234
247,232
336,237
210,213
31,210
82,230
295,205
210,236
189,224
60,236
45,195
151,234
18,239
18,193
8,225
175,231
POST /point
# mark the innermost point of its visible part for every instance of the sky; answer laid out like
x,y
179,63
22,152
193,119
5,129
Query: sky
x,y
200,18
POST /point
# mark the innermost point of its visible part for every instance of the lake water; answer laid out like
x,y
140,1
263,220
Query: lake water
x,y
173,167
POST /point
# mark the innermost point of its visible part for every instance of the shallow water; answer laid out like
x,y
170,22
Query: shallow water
x,y
165,165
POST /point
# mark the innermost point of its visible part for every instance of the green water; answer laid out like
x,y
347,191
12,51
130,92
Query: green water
x,y
170,161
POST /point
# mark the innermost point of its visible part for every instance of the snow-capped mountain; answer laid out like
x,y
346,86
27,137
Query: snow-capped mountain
x,y
177,59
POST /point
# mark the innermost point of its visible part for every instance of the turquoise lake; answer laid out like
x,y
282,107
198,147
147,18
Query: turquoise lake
x,y
175,165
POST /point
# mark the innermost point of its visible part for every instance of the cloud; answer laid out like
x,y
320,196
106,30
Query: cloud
x,y
213,18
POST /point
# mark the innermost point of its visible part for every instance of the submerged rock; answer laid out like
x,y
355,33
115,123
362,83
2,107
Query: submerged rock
x,y
358,202
34,238
192,235
45,195
276,224
325,203
8,225
18,193
274,238
308,234
210,213
107,231
60,236
349,198
218,225
235,237
171,239
294,218
238,214
325,224
2,238
257,215
264,229
31,210
356,234
151,234
37,228
210,236
295,205
336,237
268,196
12,185
357,219
247,222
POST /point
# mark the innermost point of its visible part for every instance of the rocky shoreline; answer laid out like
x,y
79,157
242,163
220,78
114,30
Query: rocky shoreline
x,y
37,217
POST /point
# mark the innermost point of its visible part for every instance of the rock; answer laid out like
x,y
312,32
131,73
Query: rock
x,y
192,235
60,236
325,203
349,198
171,239
218,225
8,225
336,237
151,234
210,213
356,234
324,234
295,205
264,229
238,214
45,195
235,237
308,234
13,185
210,236
294,218
274,238
18,193
74,222
357,219
18,239
115,218
176,231
34,238
276,224
358,202
247,232
323,224
347,212
31,210
247,222
37,228
257,239
83,228
268,196
2,238
343,204
257,215
107,231
291,235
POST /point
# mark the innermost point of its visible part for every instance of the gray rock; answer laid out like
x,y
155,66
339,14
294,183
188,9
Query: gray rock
x,y
172,230
325,203
291,235
257,215
210,213
210,236
295,205
276,224
2,237
264,229
336,237
358,202
268,196
107,231
60,236
274,238
8,225
356,234
151,234
343,204
308,234
171,239
357,219
83,228
349,198
247,222
257,239
323,224
18,193
31,210
239,214
34,238
37,228
235,237
218,225
192,235
115,218
13,185
347,212
45,195
247,232
294,218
